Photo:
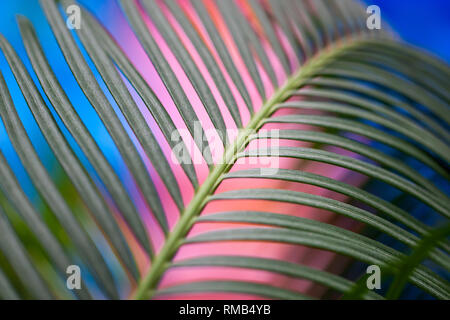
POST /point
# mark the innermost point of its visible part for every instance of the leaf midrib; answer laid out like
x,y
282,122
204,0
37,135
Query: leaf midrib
x,y
146,287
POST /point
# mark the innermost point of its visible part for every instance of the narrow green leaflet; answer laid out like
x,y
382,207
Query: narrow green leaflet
x,y
223,52
252,288
91,88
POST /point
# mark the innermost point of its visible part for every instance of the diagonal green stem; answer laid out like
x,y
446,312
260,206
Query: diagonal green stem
x,y
147,286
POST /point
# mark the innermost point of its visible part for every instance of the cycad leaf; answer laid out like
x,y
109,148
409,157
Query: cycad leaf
x,y
406,127
361,111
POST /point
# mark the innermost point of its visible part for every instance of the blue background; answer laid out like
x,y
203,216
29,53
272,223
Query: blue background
x,y
424,23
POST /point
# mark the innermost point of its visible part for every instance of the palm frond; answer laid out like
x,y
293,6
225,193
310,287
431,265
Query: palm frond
x,y
307,77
